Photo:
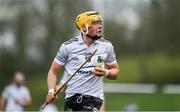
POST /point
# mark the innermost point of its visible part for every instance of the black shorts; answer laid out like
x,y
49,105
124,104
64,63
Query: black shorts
x,y
80,102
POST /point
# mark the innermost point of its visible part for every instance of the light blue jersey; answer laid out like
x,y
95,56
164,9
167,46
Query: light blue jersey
x,y
73,53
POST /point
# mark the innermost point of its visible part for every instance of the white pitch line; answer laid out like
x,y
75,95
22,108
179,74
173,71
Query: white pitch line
x,y
129,88
171,89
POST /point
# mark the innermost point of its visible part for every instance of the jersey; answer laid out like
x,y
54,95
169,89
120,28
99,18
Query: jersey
x,y
73,53
63,79
12,93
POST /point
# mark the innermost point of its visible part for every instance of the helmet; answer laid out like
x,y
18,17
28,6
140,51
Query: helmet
x,y
86,19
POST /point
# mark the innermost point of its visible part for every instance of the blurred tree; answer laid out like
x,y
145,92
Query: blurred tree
x,y
158,34
116,33
163,26
39,26
21,41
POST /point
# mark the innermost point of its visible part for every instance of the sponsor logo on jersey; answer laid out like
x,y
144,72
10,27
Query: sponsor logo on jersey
x,y
75,58
85,73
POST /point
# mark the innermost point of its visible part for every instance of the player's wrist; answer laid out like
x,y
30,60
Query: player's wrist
x,y
106,72
51,90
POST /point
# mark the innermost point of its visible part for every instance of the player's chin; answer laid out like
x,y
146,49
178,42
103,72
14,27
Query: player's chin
x,y
99,34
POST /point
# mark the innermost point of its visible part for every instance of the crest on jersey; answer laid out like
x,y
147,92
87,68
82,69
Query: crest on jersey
x,y
100,59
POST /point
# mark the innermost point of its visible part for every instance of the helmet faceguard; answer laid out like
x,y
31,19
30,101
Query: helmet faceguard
x,y
85,20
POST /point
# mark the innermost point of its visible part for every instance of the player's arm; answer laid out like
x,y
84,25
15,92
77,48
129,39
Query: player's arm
x,y
26,102
102,109
113,71
51,80
2,103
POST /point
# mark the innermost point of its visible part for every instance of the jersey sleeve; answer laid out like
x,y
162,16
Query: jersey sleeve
x,y
111,59
61,55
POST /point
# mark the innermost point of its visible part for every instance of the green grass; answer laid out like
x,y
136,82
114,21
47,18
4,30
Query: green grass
x,y
145,102
163,68
114,101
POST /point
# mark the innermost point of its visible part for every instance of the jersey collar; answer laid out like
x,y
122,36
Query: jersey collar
x,y
81,41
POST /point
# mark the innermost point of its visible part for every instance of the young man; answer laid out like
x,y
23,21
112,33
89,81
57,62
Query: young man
x,y
85,90
16,96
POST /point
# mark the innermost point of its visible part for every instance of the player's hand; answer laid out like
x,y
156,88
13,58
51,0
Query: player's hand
x,y
51,96
18,102
100,71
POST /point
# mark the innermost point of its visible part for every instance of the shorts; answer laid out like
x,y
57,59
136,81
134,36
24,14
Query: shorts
x,y
79,102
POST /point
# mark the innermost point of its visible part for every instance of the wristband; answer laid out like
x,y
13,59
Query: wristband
x,y
51,90
107,72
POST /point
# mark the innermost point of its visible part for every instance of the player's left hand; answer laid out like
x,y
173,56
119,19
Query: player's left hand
x,y
100,71
18,102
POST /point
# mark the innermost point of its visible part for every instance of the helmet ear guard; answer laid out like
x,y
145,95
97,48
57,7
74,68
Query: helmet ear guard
x,y
86,29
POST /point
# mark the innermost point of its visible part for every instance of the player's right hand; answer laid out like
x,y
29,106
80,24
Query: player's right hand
x,y
18,102
99,71
51,96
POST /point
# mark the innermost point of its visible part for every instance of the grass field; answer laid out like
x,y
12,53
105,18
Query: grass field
x,y
117,101
114,101
145,102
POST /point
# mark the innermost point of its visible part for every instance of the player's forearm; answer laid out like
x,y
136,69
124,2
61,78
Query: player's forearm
x,y
52,76
2,102
51,80
27,102
23,103
113,73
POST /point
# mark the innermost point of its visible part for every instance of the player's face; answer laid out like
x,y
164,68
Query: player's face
x,y
95,29
19,79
